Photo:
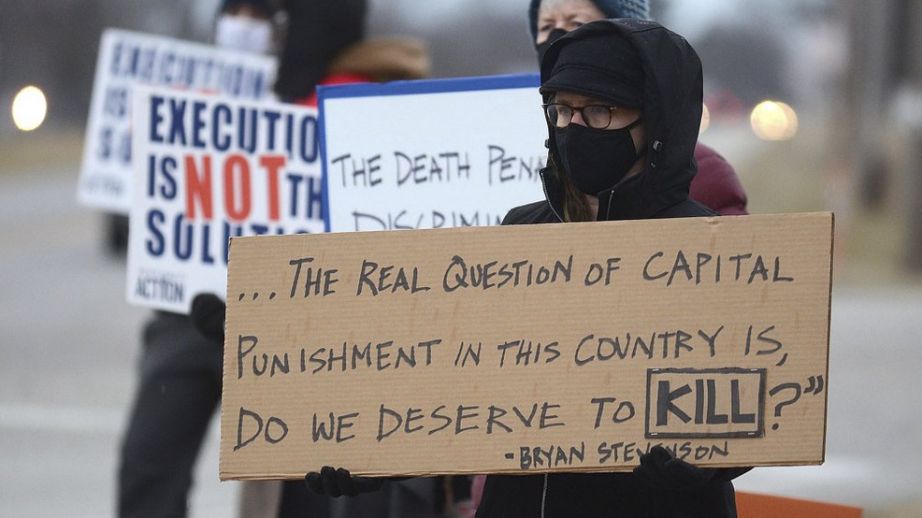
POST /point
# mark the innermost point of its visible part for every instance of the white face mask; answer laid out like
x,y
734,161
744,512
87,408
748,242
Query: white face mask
x,y
244,33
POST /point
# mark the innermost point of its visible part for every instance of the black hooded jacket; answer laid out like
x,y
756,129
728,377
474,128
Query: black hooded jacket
x,y
672,113
672,117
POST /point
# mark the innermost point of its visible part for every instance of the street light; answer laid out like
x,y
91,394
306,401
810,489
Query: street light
x,y
29,108
774,121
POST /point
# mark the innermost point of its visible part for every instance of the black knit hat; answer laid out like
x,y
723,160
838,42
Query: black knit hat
x,y
604,66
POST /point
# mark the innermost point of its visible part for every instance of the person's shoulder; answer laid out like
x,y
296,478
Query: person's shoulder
x,y
537,212
703,152
713,166
717,185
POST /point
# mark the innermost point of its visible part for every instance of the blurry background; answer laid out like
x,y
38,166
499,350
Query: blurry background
x,y
816,103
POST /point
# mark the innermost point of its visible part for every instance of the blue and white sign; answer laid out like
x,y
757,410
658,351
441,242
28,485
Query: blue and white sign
x,y
429,154
209,168
129,59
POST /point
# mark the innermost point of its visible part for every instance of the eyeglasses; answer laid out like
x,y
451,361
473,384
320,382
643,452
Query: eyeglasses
x,y
596,116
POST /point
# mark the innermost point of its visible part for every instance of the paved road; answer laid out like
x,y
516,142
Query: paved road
x,y
69,344
874,427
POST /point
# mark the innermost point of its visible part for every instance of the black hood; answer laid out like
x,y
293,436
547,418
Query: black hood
x,y
672,103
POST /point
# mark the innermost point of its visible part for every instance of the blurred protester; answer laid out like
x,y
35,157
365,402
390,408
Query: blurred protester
x,y
180,369
325,44
716,185
623,103
242,25
247,26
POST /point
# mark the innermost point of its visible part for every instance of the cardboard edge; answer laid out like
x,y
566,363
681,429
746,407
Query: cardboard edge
x,y
222,474
282,475
832,248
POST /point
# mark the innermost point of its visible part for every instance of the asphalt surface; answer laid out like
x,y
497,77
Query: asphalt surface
x,y
69,346
70,343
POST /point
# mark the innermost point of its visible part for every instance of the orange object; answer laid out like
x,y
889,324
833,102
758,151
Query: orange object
x,y
749,505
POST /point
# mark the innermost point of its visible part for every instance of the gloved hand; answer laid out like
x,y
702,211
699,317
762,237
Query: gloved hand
x,y
208,316
661,470
339,482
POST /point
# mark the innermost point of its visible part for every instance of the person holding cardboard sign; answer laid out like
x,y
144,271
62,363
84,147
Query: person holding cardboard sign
x,y
623,107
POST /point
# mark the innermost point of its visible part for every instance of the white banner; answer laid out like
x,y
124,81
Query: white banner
x,y
429,154
208,168
127,60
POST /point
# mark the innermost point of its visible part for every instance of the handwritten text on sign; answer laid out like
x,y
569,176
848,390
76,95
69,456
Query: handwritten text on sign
x,y
545,347
209,168
432,154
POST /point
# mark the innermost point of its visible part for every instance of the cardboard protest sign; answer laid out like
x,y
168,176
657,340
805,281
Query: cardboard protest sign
x,y
129,59
568,347
429,154
207,169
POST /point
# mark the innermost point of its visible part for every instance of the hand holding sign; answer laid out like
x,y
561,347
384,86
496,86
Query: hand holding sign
x,y
339,482
661,470
207,315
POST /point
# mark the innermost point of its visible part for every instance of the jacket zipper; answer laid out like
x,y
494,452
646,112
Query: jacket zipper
x,y
544,495
548,198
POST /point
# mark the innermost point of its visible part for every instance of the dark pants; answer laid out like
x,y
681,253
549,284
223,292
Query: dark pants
x,y
178,391
412,498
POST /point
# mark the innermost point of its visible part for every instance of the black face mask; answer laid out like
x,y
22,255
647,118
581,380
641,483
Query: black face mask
x,y
596,159
555,35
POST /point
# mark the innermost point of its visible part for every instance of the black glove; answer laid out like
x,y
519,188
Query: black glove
x,y
208,316
661,470
338,482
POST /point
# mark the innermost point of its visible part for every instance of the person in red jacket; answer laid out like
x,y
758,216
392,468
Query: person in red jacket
x,y
716,185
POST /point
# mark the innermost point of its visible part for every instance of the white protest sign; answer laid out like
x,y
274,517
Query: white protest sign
x,y
429,154
129,59
208,168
